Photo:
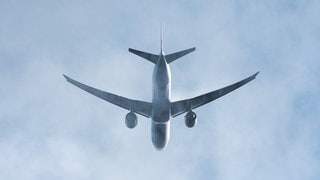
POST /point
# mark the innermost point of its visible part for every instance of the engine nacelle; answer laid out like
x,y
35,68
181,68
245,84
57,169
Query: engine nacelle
x,y
131,120
190,119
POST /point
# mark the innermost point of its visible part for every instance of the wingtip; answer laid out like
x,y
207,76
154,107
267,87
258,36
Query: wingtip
x,y
66,77
254,76
256,73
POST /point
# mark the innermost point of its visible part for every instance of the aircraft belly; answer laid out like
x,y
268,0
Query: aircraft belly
x,y
160,133
161,111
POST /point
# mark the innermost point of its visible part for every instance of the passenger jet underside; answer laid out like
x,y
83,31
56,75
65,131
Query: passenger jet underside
x,y
161,109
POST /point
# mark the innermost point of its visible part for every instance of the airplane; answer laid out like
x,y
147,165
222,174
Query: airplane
x,y
162,108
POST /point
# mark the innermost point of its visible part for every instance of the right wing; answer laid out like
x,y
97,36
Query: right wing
x,y
180,107
140,107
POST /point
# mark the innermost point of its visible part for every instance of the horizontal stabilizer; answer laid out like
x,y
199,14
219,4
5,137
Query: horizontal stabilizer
x,y
150,57
171,57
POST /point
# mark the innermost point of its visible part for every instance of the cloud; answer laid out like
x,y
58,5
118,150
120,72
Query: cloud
x,y
52,130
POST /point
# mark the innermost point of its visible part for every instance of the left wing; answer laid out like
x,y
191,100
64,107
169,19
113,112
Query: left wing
x,y
180,107
139,107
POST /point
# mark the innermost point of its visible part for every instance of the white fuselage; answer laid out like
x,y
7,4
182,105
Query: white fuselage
x,y
161,108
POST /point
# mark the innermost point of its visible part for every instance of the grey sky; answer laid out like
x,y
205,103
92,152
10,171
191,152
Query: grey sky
x,y
267,129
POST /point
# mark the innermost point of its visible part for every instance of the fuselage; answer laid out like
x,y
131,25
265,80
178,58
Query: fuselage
x,y
161,108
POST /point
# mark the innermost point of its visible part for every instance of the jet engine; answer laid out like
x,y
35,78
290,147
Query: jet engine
x,y
131,120
190,119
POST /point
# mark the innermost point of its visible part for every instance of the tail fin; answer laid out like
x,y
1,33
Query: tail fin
x,y
148,56
172,57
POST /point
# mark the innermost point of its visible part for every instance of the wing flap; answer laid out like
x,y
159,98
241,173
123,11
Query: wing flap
x,y
180,107
139,107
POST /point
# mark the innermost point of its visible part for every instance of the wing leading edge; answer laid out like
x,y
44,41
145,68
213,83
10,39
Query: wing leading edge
x,y
139,107
180,107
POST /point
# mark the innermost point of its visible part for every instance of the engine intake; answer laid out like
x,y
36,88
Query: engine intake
x,y
131,120
190,119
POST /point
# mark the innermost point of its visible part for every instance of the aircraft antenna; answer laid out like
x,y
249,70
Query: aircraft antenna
x,y
161,37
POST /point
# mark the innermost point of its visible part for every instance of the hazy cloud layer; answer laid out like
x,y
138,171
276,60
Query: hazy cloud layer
x,y
268,129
